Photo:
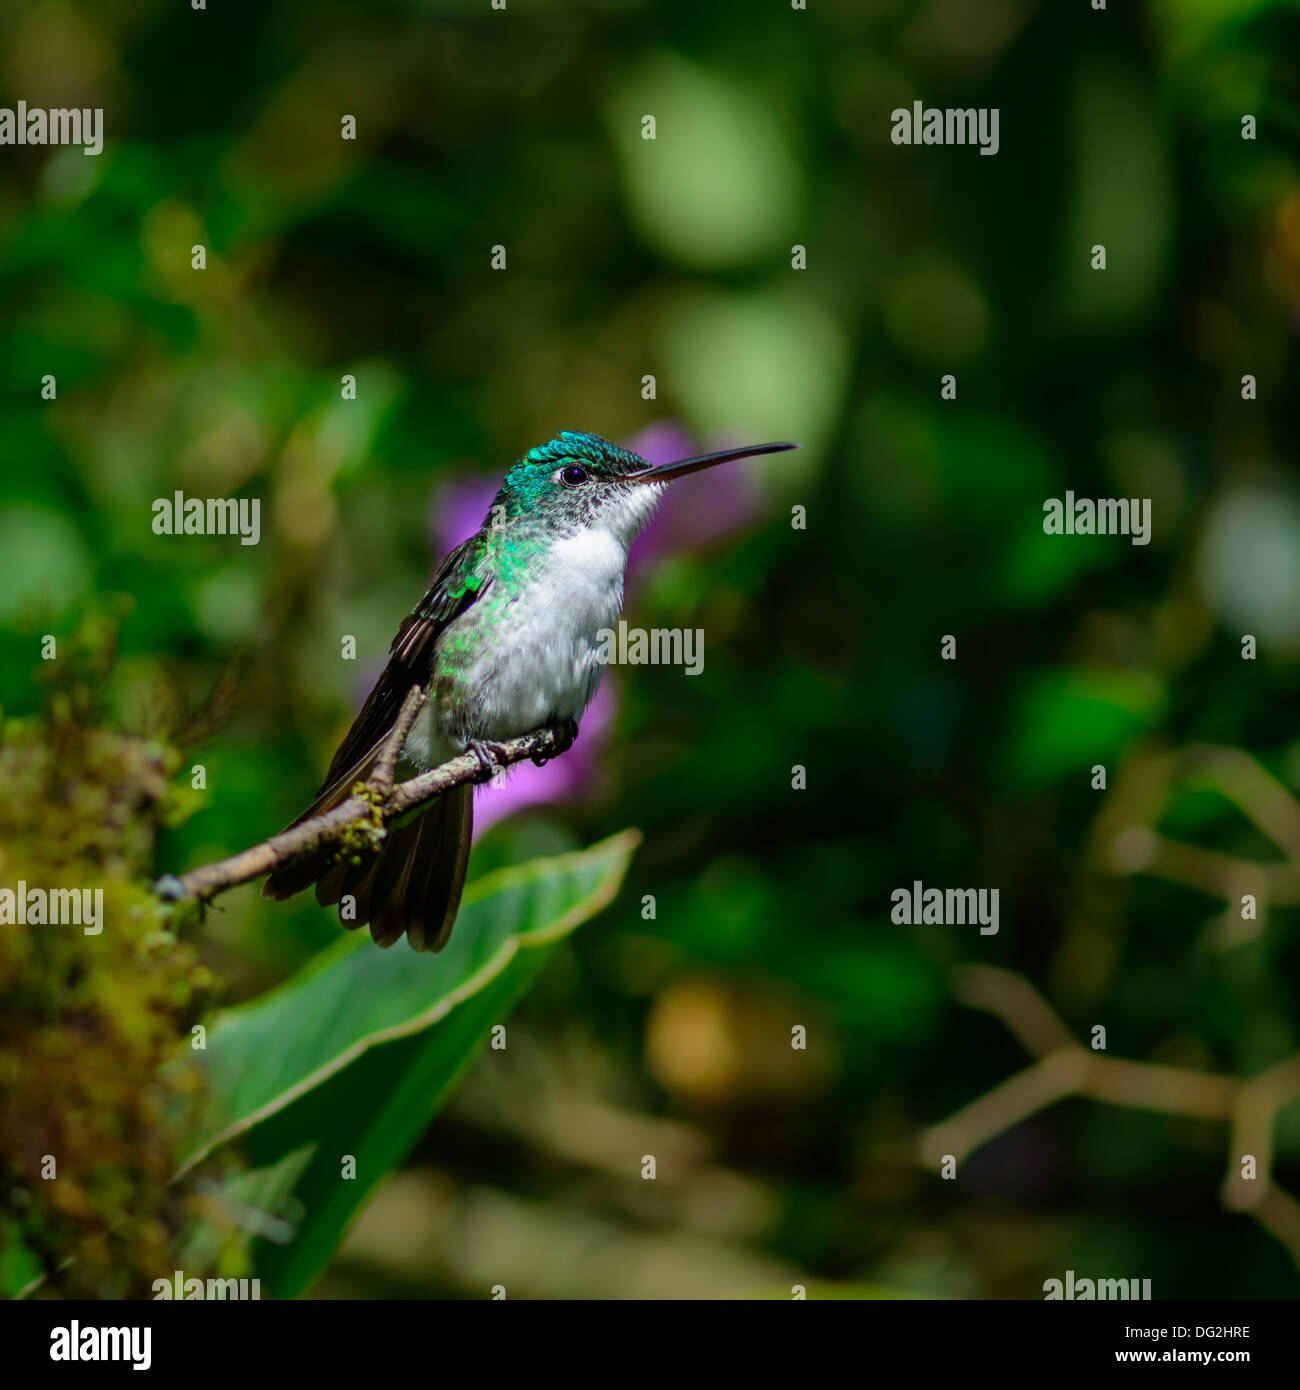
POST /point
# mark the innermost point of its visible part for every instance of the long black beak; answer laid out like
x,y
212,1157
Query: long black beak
x,y
665,472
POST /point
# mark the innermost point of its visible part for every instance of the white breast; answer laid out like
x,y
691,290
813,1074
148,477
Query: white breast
x,y
543,662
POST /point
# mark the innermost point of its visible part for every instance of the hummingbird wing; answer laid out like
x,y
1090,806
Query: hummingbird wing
x,y
458,583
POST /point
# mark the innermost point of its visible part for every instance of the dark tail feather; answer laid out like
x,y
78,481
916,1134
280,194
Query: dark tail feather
x,y
293,878
438,881
426,896
412,884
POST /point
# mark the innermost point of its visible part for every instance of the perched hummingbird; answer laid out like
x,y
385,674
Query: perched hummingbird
x,y
505,641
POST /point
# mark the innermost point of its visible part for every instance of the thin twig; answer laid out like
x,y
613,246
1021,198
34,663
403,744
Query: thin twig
x,y
1065,1067
370,806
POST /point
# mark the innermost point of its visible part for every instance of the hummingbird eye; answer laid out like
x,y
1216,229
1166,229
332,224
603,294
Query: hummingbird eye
x,y
573,475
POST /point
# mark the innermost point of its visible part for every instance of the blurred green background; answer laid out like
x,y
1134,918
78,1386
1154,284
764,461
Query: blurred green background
x,y
672,258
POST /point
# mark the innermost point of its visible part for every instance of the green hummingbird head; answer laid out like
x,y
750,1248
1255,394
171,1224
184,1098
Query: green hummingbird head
x,y
579,481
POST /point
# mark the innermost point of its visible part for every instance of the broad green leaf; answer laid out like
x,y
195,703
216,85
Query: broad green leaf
x,y
355,1054
374,1111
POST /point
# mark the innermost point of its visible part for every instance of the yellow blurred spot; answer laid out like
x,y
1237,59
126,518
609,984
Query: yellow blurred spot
x,y
711,1042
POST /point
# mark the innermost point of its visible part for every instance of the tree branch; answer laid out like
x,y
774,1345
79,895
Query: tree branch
x,y
372,806
1065,1067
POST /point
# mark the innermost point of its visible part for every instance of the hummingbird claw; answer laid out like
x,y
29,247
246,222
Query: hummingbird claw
x,y
487,755
564,741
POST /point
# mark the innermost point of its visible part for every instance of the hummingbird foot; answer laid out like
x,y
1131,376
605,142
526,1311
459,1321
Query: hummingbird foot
x,y
491,759
564,741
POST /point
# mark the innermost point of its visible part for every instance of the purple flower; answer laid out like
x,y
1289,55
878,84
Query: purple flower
x,y
458,510
571,776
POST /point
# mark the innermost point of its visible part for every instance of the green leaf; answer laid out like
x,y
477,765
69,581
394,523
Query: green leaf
x,y
775,358
1123,181
19,1268
719,186
1068,720
356,1053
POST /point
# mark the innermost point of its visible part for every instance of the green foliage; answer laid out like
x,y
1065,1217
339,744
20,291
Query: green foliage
x,y
351,1058
90,1017
923,516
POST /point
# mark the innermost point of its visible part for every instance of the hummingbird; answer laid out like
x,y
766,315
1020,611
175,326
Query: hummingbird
x,y
506,640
